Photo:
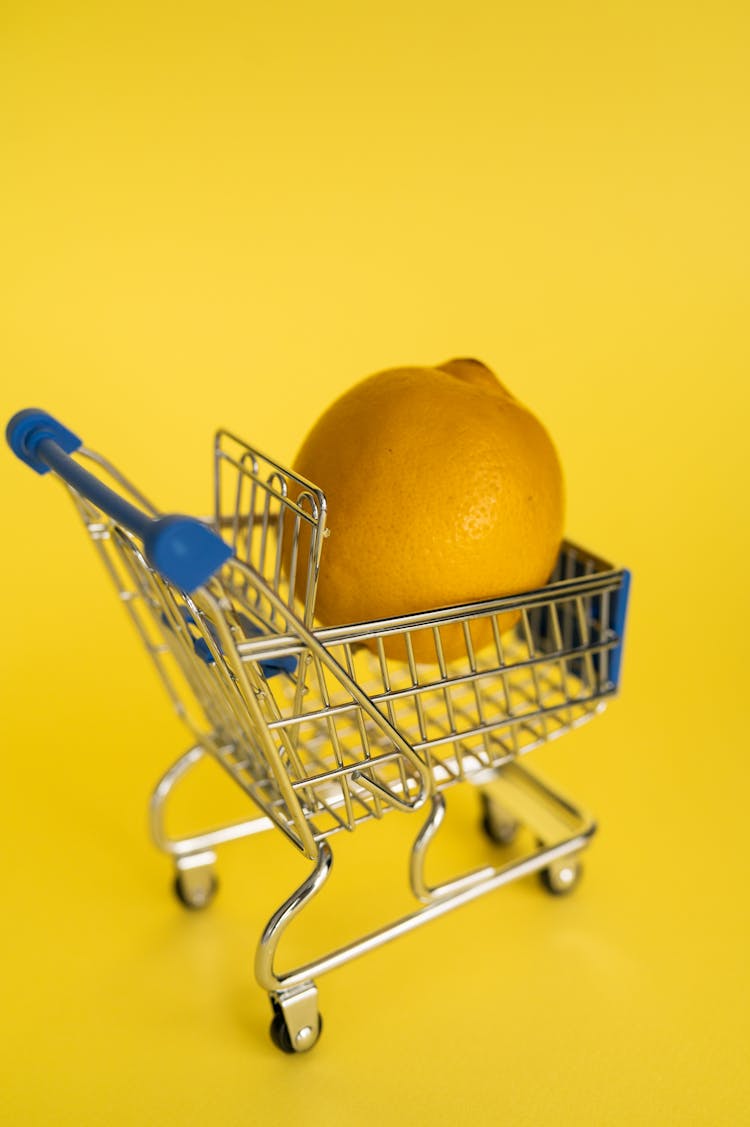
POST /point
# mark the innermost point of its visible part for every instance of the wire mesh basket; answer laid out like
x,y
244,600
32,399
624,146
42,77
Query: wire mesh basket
x,y
326,728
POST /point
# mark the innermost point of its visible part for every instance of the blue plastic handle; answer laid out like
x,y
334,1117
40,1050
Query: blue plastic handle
x,y
182,549
271,667
619,616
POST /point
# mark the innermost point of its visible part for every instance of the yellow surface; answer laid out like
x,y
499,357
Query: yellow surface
x,y
215,215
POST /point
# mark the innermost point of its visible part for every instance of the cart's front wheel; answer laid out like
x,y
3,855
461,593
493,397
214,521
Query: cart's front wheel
x,y
305,1039
296,1023
561,877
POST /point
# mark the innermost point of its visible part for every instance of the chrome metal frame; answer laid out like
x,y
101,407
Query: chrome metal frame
x,y
323,730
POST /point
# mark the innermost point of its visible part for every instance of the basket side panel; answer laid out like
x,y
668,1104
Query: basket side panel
x,y
532,668
274,521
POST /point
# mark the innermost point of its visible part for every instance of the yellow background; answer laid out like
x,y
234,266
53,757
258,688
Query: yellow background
x,y
217,214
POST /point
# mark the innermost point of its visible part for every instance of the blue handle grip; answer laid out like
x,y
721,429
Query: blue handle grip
x,y
619,614
182,549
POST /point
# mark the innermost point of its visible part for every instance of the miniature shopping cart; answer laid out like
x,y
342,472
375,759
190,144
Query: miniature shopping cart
x,y
325,729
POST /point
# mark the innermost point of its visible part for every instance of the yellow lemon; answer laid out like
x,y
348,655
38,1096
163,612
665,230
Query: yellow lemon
x,y
442,489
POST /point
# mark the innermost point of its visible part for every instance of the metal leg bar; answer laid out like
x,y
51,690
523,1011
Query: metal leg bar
x,y
294,994
194,844
496,877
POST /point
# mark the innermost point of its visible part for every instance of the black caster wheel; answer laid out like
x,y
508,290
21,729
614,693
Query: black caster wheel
x,y
195,891
499,827
282,1038
561,877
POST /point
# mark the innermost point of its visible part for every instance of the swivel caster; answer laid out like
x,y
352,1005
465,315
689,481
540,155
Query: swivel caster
x,y
296,1024
498,826
561,877
196,883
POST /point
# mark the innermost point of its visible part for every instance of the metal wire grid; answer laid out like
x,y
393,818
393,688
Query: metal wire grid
x,y
461,719
337,755
166,622
274,521
231,706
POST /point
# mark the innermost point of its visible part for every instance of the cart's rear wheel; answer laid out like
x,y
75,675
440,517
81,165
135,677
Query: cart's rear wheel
x,y
282,1038
499,826
195,891
561,877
